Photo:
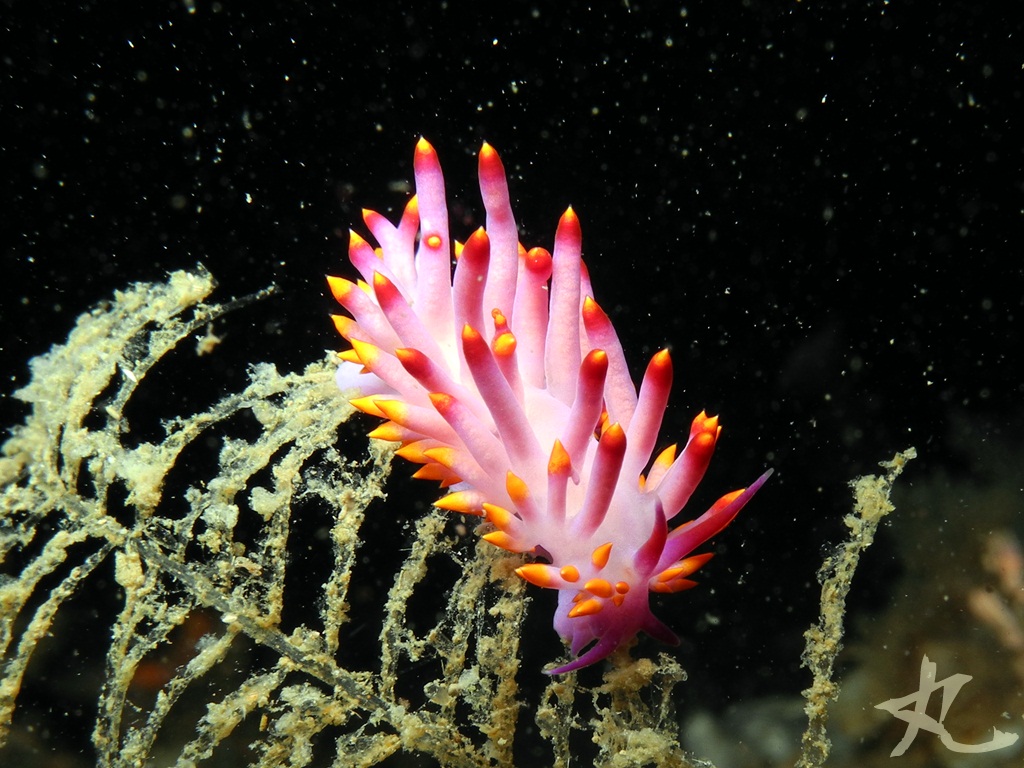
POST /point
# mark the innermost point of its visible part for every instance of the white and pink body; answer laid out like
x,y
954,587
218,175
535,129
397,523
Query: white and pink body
x,y
508,383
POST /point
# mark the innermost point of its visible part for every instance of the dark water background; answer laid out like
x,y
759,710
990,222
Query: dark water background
x,y
818,209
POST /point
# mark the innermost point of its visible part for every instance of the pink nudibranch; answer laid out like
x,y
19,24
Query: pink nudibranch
x,y
508,384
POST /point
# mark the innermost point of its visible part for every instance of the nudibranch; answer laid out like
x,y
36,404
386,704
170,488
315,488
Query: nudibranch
x,y
507,382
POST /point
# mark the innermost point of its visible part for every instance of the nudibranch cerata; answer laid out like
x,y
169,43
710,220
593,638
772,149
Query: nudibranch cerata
x,y
508,384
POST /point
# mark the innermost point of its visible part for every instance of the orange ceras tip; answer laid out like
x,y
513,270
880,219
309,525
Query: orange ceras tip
x,y
539,574
727,499
504,345
367,405
542,430
479,243
570,573
499,516
407,356
665,458
491,169
470,335
488,154
344,325
517,489
685,567
466,502
432,471
340,288
396,410
413,452
349,356
441,401
368,354
538,261
559,463
671,587
502,540
356,241
446,457
586,608
382,285
661,366
424,149
388,431
599,557
592,310
599,587
706,424
569,224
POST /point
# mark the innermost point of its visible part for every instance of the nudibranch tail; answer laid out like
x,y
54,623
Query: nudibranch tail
x,y
508,384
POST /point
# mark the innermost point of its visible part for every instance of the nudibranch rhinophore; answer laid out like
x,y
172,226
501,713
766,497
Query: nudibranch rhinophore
x,y
508,384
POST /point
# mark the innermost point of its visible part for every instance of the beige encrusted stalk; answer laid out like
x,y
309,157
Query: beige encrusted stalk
x,y
824,639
